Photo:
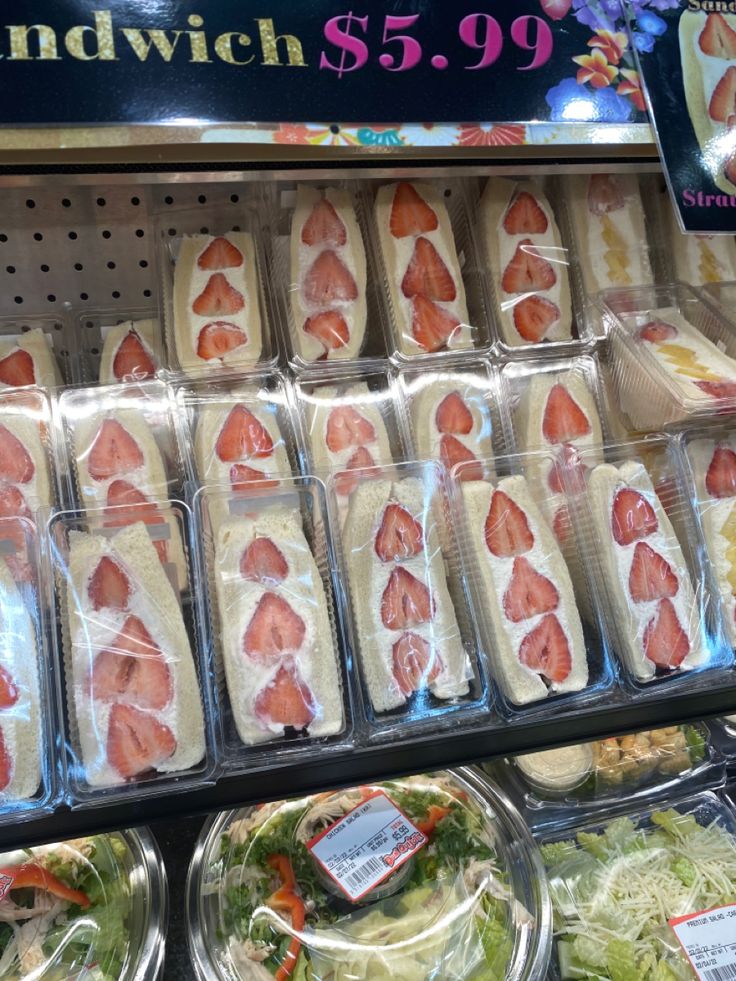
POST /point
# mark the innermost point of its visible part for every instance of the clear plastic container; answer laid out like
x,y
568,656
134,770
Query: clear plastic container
x,y
123,629
98,909
532,607
271,618
672,355
615,883
119,346
476,909
37,349
722,295
326,289
527,267
430,270
409,624
214,278
701,260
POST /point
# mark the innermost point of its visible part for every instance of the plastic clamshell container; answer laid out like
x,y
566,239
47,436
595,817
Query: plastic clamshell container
x,y
408,621
522,565
646,563
637,855
134,684
456,314
126,344
672,354
333,215
206,342
49,352
28,437
722,295
479,911
271,619
120,934
524,320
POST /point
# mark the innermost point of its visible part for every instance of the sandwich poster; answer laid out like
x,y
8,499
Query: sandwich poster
x,y
689,77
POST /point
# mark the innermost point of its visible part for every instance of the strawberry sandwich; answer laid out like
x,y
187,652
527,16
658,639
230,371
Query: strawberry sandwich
x,y
277,639
217,318
134,693
422,268
451,423
537,642
28,359
129,352
328,276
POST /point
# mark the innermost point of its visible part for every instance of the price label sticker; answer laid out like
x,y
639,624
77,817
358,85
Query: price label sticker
x,y
366,845
709,941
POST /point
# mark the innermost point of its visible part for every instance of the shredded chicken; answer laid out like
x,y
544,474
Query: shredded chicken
x,y
31,936
483,874
324,813
247,968
240,830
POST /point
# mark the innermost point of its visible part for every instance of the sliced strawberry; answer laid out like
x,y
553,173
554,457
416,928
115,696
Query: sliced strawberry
x,y
218,339
431,326
533,317
605,194
406,602
718,389
324,226
137,742
6,764
665,642
329,328
242,435
263,562
453,415
218,298
328,281
412,657
286,701
220,254
453,453
114,451
108,587
563,419
527,271
561,525
657,331
722,103
274,630
347,480
718,39
17,369
8,690
529,593
347,427
132,362
133,670
245,478
632,517
12,502
126,505
410,213
568,471
651,576
720,479
400,536
16,465
545,650
507,530
525,216
427,274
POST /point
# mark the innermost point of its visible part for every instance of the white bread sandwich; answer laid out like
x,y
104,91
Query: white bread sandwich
x,y
20,723
277,640
607,214
130,352
134,694
28,359
422,269
328,276
451,422
652,604
697,259
537,646
528,262
407,632
217,318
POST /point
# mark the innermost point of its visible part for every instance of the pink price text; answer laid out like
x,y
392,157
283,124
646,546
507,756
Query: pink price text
x,y
401,49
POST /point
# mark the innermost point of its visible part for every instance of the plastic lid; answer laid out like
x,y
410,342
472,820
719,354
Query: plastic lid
x,y
469,904
92,907
557,769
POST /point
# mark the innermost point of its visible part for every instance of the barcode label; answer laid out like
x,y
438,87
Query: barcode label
x,y
366,873
725,973
709,941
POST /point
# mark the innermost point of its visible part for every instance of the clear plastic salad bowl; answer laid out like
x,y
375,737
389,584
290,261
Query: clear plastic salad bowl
x,y
470,905
93,908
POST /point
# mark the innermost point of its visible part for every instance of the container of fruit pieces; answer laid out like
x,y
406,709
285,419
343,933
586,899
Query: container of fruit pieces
x,y
454,891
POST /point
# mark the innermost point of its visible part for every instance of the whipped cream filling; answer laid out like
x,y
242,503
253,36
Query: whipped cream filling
x,y
429,437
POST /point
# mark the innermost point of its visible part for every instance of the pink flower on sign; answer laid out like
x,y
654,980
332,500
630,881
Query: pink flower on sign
x,y
556,9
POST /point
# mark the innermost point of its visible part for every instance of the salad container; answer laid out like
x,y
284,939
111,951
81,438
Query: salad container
x,y
90,908
470,902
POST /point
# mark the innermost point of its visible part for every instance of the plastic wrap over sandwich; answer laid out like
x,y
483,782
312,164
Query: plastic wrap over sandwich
x,y
451,422
28,359
697,259
130,352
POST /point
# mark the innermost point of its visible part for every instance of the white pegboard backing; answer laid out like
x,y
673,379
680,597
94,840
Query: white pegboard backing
x,y
72,247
